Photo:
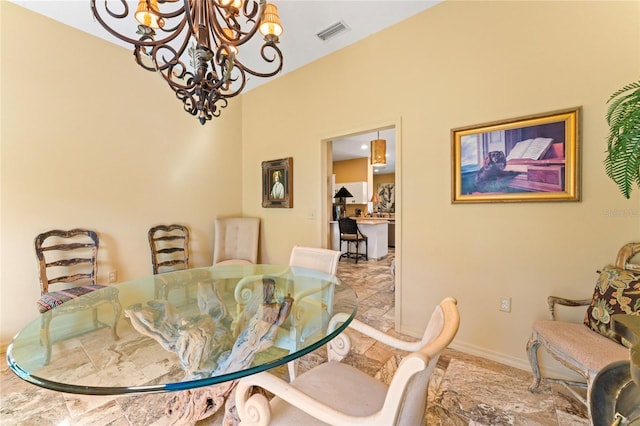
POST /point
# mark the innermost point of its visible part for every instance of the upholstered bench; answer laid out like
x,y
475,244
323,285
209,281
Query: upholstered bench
x,y
575,346
588,347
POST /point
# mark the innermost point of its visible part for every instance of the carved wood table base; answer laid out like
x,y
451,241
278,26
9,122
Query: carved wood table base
x,y
206,346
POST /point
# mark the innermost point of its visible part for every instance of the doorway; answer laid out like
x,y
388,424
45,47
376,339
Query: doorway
x,y
384,181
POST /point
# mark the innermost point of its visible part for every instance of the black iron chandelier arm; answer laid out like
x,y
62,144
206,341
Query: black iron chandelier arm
x,y
146,40
176,74
277,58
253,17
194,47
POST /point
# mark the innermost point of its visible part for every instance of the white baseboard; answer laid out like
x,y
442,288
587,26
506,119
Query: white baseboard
x,y
521,363
549,367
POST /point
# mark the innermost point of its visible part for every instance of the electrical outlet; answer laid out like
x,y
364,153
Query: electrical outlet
x,y
113,276
505,304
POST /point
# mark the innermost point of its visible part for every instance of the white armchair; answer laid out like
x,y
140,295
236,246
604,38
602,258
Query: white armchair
x,y
300,328
304,320
236,240
338,394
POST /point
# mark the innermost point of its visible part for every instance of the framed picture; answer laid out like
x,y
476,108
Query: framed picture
x,y
533,158
387,197
277,183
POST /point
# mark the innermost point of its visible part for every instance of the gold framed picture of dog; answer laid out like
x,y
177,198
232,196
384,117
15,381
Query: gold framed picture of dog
x,y
532,158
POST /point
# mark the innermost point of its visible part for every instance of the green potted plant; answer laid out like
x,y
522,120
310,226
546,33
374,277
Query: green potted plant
x,y
622,163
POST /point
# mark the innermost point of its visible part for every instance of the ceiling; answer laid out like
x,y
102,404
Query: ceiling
x,y
302,20
358,146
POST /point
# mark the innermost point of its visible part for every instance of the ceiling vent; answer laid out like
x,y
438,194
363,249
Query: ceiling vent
x,y
332,31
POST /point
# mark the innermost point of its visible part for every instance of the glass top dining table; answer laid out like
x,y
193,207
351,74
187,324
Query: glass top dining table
x,y
185,330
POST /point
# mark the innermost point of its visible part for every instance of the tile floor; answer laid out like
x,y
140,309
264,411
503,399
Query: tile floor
x,y
464,390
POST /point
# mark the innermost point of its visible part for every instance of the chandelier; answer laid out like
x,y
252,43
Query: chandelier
x,y
195,44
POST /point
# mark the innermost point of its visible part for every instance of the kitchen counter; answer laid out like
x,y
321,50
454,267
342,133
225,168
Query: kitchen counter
x,y
374,219
391,234
376,231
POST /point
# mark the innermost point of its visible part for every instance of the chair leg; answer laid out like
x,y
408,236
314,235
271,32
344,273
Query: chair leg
x,y
45,338
117,311
532,353
94,316
366,249
357,251
292,366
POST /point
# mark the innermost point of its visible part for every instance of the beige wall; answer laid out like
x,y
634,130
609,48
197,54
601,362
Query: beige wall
x,y
386,178
89,139
457,64
355,170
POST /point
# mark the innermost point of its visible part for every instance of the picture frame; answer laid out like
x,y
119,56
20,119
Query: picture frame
x,y
531,158
277,183
387,197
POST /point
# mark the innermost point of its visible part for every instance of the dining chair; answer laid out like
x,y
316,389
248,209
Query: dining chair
x,y
236,240
312,305
298,327
338,394
67,260
169,248
350,234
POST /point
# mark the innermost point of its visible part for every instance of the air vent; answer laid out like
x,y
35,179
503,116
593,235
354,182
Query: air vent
x,y
332,31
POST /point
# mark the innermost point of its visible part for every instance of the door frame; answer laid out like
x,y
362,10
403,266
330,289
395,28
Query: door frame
x,y
326,168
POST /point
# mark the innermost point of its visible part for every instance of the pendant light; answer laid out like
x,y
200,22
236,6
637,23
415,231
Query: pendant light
x,y
379,152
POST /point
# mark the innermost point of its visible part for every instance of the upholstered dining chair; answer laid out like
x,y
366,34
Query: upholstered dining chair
x,y
169,246
317,259
314,259
236,240
587,347
67,260
338,394
312,307
350,234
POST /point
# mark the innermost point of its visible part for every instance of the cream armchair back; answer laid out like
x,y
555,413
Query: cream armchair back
x,y
312,307
299,328
236,240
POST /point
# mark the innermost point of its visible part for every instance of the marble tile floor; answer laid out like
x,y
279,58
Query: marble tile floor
x,y
464,389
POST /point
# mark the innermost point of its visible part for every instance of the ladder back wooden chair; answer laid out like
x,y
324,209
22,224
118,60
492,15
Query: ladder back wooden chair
x,y
67,260
169,248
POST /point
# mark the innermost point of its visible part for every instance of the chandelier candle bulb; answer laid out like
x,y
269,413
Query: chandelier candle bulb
x,y
271,26
147,14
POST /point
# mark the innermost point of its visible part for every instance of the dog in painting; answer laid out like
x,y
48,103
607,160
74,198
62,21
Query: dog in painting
x,y
492,177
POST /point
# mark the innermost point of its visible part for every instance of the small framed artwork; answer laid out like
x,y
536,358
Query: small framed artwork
x,y
387,197
277,183
532,158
